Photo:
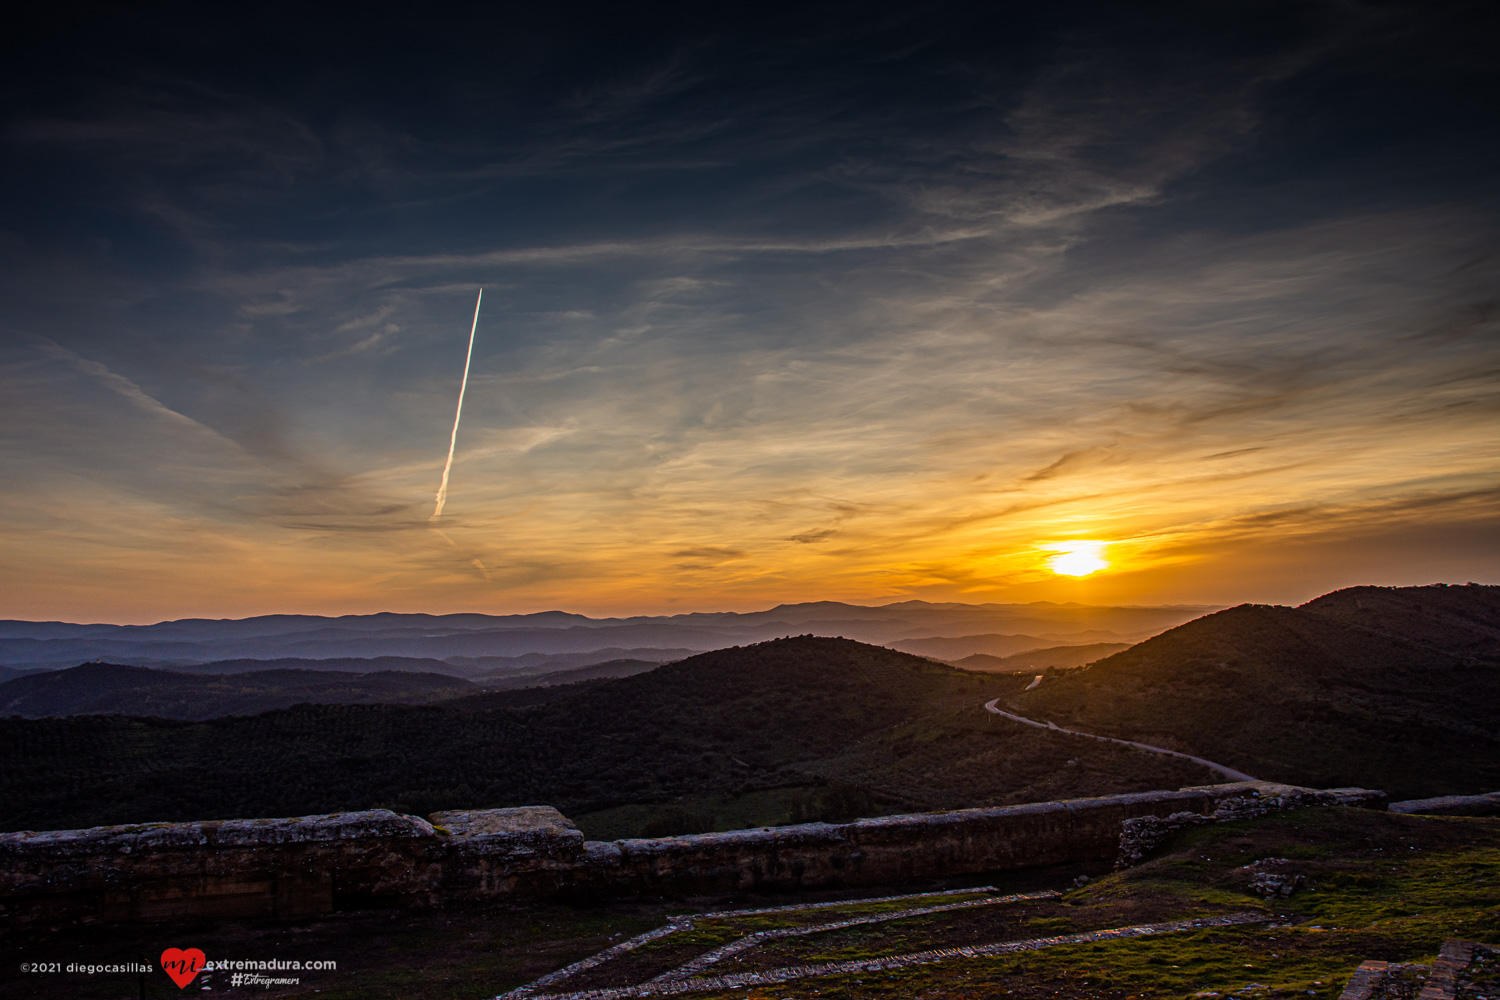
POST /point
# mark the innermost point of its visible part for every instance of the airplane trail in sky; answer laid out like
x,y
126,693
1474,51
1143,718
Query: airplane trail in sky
x,y
442,493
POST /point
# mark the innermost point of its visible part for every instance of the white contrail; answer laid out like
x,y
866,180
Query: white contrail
x,y
442,493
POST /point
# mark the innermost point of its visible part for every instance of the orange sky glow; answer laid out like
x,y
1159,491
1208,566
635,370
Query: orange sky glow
x,y
927,307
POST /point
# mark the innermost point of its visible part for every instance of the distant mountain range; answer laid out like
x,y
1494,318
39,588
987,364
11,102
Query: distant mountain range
x,y
1393,688
474,646
1041,659
489,671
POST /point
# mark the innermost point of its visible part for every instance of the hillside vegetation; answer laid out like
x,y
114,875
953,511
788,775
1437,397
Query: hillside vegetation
x,y
624,667
113,689
1041,659
194,694
792,729
1393,688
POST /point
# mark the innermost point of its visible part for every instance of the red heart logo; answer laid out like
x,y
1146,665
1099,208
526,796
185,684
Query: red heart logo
x,y
183,965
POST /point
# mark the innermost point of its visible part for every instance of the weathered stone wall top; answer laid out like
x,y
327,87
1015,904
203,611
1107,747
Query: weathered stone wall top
x,y
1361,798
1255,789
1487,804
728,840
953,818
1289,796
522,830
906,825
533,830
372,823
521,819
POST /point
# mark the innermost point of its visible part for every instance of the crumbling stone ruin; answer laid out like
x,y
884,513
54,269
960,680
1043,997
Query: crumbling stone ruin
x,y
290,868
1140,835
1463,969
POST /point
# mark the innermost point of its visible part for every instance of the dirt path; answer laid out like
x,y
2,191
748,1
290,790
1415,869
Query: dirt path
x,y
1228,772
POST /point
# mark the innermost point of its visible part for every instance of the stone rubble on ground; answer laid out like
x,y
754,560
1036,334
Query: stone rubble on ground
x,y
1270,884
1140,835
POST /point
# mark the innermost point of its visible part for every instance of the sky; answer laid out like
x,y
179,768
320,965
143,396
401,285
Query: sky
x,y
864,302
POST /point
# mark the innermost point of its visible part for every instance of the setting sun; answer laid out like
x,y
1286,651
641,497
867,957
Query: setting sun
x,y
1077,558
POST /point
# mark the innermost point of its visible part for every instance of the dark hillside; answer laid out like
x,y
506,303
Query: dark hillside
x,y
1041,659
954,648
114,689
787,697
1388,693
1461,620
795,728
625,667
345,664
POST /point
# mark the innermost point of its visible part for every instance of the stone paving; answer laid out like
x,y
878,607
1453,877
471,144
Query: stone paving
x,y
686,921
1464,970
799,907
1368,978
1452,961
689,977
749,941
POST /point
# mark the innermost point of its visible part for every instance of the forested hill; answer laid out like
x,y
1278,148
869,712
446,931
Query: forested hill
x,y
116,689
1464,621
1393,688
788,729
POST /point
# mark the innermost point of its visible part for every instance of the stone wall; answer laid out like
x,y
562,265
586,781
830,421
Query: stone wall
x,y
281,868
288,868
1487,804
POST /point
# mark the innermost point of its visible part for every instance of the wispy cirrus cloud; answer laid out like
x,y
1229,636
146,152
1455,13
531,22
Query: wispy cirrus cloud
x,y
866,317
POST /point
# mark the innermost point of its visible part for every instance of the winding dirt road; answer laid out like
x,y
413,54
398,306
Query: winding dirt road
x,y
1228,772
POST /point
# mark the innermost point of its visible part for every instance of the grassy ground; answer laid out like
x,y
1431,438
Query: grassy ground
x,y
1378,886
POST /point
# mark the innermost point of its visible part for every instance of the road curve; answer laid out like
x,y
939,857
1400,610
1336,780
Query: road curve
x,y
1228,772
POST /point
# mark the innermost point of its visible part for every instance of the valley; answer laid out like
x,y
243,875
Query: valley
x,y
1392,689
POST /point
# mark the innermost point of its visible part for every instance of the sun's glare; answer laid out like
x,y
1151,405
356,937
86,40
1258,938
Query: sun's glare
x,y
1078,558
